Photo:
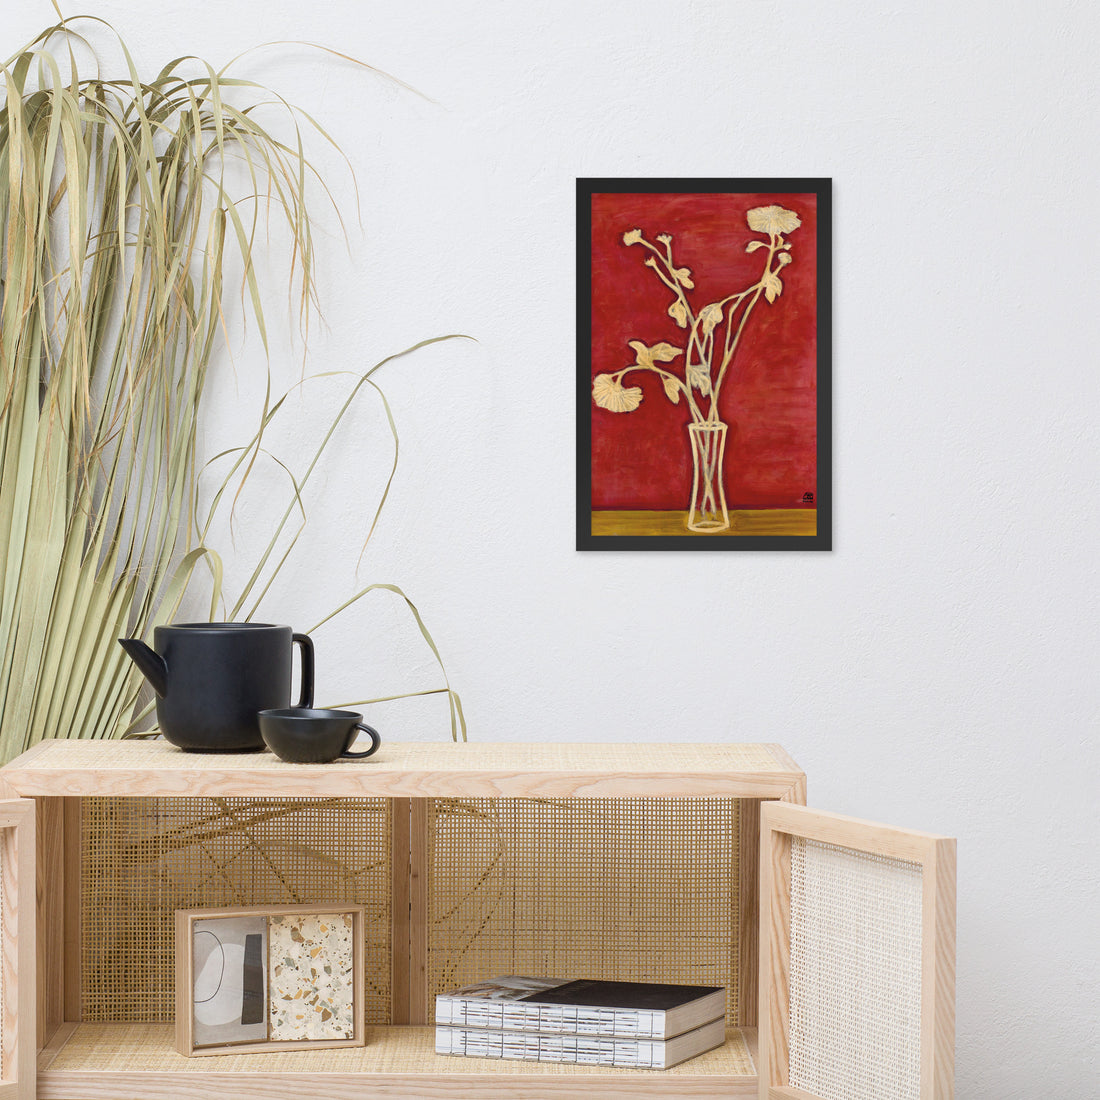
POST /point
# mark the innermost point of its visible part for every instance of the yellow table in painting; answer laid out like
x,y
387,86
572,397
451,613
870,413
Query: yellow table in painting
x,y
764,521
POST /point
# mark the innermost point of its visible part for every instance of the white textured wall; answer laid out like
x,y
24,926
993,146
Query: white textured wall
x,y
938,668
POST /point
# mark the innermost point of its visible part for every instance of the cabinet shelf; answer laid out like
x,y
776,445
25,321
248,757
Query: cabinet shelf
x,y
138,1062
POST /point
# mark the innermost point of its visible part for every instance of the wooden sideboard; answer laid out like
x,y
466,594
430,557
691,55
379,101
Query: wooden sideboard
x,y
66,1056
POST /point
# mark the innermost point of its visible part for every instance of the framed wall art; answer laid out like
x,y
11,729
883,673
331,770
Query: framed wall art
x,y
703,364
251,980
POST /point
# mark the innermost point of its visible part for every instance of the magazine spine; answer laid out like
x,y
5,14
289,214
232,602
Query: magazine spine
x,y
626,1023
529,1046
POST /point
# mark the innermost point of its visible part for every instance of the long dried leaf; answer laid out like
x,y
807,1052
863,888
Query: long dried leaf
x,y
118,215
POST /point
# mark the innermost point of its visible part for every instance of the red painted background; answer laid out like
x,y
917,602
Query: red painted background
x,y
642,459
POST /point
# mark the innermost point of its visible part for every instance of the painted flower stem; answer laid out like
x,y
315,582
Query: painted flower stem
x,y
731,348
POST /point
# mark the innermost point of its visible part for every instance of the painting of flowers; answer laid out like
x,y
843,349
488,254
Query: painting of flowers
x,y
703,364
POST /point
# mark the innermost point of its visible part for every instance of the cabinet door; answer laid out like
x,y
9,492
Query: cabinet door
x,y
17,968
857,959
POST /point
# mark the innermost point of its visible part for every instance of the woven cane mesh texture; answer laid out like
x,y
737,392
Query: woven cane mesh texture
x,y
144,858
634,889
855,988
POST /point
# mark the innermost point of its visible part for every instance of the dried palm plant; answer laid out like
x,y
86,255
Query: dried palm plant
x,y
119,222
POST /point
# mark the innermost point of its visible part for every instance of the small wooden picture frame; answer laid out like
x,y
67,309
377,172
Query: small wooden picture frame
x,y
286,977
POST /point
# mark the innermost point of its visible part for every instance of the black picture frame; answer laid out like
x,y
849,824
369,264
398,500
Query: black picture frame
x,y
749,529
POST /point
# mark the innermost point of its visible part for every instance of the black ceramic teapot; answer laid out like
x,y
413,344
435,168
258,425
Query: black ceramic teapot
x,y
211,680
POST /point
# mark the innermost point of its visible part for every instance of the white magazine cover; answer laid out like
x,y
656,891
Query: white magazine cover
x,y
481,1004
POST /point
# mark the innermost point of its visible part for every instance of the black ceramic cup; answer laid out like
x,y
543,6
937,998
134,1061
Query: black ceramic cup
x,y
301,735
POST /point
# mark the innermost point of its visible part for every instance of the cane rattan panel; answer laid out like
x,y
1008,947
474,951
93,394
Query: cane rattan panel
x,y
855,1000
143,858
636,889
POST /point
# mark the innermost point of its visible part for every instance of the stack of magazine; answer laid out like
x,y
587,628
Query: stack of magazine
x,y
640,1025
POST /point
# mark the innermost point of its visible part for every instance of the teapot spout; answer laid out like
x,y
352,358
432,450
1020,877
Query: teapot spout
x,y
151,664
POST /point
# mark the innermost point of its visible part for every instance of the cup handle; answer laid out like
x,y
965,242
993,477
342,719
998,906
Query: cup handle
x,y
306,644
376,740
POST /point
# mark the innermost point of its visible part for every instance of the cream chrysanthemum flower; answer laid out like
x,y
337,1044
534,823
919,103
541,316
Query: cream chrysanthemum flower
x,y
772,219
608,392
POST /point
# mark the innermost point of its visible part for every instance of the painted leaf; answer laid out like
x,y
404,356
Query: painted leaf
x,y
659,353
683,277
752,246
710,317
699,377
678,312
773,286
672,390
664,353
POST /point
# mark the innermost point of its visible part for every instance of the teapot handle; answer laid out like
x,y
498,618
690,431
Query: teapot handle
x,y
304,640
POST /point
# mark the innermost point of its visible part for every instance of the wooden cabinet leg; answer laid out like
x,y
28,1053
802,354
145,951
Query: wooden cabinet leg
x,y
50,932
57,824
74,1009
749,900
409,910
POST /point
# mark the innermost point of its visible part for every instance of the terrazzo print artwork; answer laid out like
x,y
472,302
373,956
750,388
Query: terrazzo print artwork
x,y
311,980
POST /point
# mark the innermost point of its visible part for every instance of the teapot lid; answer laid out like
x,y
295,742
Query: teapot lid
x,y
221,627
